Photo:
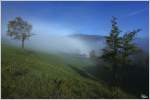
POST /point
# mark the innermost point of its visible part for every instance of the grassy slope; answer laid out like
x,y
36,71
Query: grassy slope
x,y
28,74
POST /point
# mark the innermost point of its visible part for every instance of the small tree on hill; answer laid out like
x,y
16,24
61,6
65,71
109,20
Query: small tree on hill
x,y
92,54
19,29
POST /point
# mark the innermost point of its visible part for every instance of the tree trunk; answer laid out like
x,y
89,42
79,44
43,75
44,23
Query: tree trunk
x,y
114,76
23,43
114,80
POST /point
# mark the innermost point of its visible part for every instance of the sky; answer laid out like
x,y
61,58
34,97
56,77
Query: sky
x,y
76,17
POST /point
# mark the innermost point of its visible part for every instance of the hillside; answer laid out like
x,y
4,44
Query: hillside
x,y
30,74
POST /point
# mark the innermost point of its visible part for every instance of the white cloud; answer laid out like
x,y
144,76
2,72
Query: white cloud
x,y
135,12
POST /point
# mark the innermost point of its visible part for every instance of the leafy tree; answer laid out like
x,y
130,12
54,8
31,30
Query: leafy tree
x,y
111,52
19,29
128,48
92,54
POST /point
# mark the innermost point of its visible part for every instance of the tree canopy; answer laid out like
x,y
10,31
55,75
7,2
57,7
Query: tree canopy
x,y
19,29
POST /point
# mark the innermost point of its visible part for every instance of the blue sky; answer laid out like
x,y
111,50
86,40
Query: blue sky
x,y
64,18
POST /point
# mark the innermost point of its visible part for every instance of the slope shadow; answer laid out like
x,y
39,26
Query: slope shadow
x,y
83,73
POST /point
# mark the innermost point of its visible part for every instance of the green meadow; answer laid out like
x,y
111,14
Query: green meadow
x,y
32,74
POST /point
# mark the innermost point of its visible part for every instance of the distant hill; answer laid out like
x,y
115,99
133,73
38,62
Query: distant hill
x,y
97,42
143,43
88,37
94,42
